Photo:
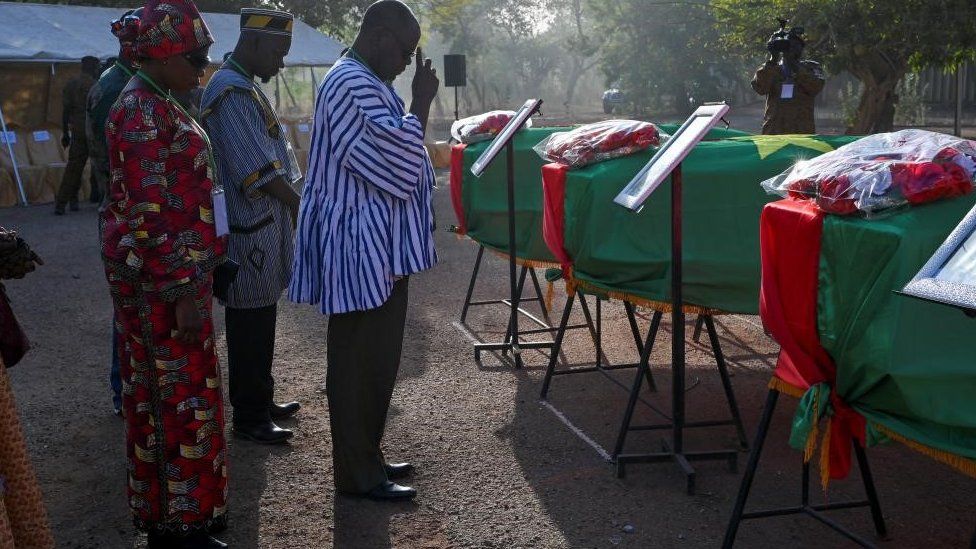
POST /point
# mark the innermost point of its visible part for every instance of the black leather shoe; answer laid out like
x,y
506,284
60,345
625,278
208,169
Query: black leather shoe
x,y
73,206
389,491
203,542
284,411
395,471
263,433
196,541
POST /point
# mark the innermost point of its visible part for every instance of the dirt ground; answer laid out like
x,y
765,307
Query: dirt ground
x,y
495,467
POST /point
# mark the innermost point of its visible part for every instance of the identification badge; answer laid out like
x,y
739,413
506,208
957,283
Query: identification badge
x,y
295,171
786,92
220,212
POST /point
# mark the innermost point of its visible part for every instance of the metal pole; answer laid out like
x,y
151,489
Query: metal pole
x,y
677,317
13,159
277,92
960,91
457,113
513,319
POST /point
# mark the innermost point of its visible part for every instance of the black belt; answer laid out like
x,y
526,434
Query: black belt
x,y
253,228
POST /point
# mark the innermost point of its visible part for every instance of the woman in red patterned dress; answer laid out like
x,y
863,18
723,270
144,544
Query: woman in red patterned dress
x,y
160,245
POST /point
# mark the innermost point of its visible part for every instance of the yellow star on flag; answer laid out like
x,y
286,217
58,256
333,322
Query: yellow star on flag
x,y
769,144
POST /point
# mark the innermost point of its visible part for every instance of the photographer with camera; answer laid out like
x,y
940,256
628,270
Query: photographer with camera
x,y
789,83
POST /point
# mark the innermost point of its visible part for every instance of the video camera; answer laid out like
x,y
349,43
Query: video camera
x,y
781,40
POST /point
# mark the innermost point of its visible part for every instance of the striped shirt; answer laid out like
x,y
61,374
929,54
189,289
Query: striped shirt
x,y
366,216
251,150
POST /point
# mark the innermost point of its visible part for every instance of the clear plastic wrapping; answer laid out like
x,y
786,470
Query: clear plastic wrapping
x,y
598,142
482,127
882,172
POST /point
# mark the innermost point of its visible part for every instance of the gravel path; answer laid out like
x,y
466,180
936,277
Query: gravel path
x,y
496,468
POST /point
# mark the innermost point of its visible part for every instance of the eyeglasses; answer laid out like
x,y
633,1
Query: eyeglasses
x,y
197,60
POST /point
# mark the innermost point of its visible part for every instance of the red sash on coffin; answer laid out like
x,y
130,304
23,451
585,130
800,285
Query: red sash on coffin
x,y
457,177
554,212
790,238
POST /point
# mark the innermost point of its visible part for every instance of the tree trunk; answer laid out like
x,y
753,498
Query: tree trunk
x,y
880,75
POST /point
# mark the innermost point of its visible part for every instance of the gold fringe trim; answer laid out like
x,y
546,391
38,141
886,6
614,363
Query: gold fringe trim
x,y
964,465
574,284
814,433
825,458
550,294
785,388
530,263
778,384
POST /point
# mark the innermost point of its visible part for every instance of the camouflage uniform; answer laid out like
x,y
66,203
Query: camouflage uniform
x,y
794,115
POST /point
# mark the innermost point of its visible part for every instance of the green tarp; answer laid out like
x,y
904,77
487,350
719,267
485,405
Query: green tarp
x,y
902,363
485,199
616,250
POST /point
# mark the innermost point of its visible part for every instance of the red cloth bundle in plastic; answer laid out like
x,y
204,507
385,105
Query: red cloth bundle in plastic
x,y
598,142
482,127
879,173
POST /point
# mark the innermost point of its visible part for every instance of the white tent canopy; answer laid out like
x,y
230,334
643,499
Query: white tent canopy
x,y
45,33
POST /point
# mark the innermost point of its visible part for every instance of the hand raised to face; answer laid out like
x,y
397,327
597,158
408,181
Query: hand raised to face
x,y
425,81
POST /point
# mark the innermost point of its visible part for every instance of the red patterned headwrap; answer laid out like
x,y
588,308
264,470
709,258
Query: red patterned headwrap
x,y
126,29
171,27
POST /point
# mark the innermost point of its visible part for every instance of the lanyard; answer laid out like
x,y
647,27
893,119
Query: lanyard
x,y
352,54
265,104
197,127
125,69
244,72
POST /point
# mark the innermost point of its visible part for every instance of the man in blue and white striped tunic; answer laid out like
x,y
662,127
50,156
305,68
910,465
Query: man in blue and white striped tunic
x,y
365,225
256,170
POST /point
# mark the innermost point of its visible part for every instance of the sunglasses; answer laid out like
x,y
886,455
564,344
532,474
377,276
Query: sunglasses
x,y
197,60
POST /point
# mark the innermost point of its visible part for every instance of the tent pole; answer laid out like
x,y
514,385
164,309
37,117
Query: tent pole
x,y
13,159
311,71
291,96
277,92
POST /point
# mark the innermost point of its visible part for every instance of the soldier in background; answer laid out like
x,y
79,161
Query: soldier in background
x,y
74,138
789,83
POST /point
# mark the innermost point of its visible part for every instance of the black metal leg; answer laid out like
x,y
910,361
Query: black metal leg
x,y
635,330
599,330
698,328
474,278
595,330
750,474
726,380
644,364
509,336
557,345
872,493
542,298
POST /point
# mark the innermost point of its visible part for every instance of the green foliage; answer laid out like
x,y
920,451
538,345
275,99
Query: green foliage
x,y
662,53
515,48
877,41
911,109
339,18
848,98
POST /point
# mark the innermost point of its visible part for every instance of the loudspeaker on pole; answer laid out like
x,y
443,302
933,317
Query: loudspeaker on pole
x,y
455,71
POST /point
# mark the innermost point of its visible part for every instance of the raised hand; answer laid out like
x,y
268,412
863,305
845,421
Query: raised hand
x,y
425,81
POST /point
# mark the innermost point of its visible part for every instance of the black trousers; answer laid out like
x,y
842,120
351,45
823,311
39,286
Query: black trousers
x,y
364,357
250,351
